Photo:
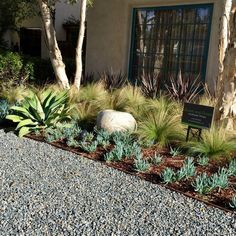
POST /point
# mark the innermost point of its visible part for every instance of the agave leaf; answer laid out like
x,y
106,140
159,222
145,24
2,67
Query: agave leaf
x,y
25,123
14,118
23,131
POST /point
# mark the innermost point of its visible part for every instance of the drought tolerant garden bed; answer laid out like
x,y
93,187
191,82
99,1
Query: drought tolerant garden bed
x,y
156,151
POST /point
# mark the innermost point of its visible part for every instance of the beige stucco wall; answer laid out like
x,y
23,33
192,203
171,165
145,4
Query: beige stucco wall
x,y
109,34
63,11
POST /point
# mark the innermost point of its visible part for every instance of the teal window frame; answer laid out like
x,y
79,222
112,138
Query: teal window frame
x,y
210,6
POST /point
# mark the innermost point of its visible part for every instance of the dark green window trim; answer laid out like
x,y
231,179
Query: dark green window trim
x,y
168,55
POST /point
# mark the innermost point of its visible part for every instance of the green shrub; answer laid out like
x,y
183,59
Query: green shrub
x,y
13,67
39,112
203,161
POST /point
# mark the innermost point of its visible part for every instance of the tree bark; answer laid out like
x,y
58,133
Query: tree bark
x,y
78,60
226,91
51,41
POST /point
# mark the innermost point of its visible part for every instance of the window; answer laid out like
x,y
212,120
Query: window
x,y
30,41
166,40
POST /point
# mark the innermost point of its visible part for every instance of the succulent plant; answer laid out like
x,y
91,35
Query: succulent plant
x,y
168,176
175,151
203,161
232,168
88,146
220,179
202,184
233,202
141,165
157,159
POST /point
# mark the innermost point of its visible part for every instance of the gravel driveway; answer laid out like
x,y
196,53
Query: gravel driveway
x,y
47,191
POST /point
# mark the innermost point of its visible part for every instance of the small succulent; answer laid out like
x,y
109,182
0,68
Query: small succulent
x,y
188,169
141,165
88,146
175,152
203,161
118,152
4,108
232,168
132,149
123,137
88,137
219,180
71,142
168,176
233,202
157,159
202,184
109,157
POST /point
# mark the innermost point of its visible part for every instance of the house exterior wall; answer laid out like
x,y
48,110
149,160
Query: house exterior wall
x,y
63,12
109,34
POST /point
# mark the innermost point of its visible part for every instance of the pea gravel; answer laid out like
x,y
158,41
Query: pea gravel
x,y
47,191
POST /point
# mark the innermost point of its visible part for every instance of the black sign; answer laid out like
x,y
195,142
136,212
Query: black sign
x,y
197,116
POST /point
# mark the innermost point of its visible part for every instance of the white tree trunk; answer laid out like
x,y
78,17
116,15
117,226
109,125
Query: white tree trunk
x,y
78,59
223,44
51,41
226,105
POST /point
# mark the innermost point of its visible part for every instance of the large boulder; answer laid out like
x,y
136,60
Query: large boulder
x,y
112,121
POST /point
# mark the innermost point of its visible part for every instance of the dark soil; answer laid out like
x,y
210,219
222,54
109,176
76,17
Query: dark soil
x,y
219,199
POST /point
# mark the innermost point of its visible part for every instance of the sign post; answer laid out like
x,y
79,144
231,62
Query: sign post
x,y
197,117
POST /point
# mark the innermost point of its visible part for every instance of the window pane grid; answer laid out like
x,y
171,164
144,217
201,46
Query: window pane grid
x,y
170,40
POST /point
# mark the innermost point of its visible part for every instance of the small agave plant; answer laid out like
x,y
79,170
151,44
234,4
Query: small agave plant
x,y
233,203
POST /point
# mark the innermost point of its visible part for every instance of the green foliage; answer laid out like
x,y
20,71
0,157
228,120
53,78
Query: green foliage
x,y
66,131
202,184
88,146
4,109
168,176
14,68
219,180
203,161
188,170
232,168
175,151
215,142
103,138
161,123
233,203
156,160
39,112
141,165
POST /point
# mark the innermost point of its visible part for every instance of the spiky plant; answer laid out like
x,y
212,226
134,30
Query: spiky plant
x,y
215,142
112,80
134,100
160,126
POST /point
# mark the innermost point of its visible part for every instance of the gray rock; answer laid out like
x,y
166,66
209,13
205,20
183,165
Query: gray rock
x,y
112,121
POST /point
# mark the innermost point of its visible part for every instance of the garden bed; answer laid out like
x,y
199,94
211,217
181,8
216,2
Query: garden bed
x,y
217,198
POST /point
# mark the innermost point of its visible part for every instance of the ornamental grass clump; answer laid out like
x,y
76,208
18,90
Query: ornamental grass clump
x,y
215,143
161,125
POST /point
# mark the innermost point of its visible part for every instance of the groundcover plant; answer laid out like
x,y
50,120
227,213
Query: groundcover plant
x,y
156,151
